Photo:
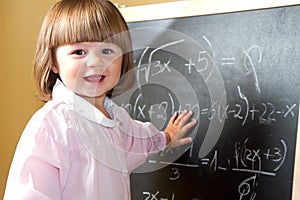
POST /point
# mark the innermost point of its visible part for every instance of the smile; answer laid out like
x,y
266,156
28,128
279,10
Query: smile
x,y
94,78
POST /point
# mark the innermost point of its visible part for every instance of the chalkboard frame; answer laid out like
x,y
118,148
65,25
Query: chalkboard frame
x,y
189,8
296,179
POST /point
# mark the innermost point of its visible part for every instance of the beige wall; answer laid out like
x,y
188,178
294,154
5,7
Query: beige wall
x,y
20,22
140,2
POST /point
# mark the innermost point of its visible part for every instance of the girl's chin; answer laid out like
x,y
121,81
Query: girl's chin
x,y
92,95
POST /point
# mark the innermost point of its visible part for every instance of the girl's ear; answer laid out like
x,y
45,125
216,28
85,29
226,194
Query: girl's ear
x,y
54,68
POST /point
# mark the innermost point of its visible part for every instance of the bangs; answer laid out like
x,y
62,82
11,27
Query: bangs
x,y
83,22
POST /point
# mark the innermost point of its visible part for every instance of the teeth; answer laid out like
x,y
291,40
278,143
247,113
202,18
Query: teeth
x,y
94,78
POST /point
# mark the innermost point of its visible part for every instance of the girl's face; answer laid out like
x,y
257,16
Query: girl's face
x,y
89,69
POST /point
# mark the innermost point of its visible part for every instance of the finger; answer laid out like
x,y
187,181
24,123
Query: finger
x,y
187,127
186,117
174,117
184,141
180,117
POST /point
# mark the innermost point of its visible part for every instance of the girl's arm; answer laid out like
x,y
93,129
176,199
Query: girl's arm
x,y
177,128
36,180
36,170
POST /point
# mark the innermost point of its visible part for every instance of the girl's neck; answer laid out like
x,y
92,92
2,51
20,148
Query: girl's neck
x,y
103,110
98,102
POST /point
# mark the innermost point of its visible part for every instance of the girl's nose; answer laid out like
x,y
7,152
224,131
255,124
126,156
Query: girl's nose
x,y
94,59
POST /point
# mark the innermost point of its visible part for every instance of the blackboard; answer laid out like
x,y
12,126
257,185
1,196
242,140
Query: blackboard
x,y
240,74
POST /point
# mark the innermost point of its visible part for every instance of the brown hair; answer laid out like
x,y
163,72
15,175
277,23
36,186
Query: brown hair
x,y
73,21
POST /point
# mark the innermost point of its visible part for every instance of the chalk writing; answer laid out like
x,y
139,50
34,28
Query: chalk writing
x,y
251,69
241,82
246,159
265,113
157,196
175,174
162,67
244,102
245,188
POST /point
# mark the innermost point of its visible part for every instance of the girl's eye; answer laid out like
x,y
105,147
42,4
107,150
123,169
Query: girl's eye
x,y
79,52
107,51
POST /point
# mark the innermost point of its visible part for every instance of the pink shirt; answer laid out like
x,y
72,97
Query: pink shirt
x,y
70,150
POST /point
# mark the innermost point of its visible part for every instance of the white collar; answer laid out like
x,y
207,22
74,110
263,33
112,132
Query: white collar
x,y
62,93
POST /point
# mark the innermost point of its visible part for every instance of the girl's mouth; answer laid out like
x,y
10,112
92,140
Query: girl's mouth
x,y
94,78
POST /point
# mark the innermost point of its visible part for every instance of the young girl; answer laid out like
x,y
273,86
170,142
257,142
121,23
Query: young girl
x,y
80,145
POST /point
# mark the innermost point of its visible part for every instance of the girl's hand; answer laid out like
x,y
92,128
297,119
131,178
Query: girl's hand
x,y
178,127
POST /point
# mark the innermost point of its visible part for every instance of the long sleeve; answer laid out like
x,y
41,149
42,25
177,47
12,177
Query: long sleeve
x,y
36,180
140,139
35,170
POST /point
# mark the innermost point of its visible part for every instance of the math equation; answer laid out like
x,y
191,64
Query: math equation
x,y
220,90
247,159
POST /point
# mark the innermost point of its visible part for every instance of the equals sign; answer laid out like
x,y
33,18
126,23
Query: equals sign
x,y
204,161
204,111
228,61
